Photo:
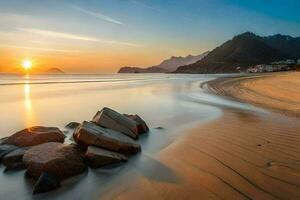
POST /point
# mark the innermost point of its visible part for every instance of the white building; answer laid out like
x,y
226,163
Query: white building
x,y
284,62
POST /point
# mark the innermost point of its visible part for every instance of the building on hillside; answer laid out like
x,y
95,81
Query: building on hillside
x,y
284,62
270,68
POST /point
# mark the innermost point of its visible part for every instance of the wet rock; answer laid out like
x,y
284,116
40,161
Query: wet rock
x,y
141,124
2,140
98,157
59,160
89,133
45,183
5,149
159,128
35,135
72,125
109,118
14,160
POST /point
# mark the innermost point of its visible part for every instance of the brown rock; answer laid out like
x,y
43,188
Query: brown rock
x,y
35,135
45,183
14,160
59,160
5,149
98,157
89,133
141,124
72,125
109,118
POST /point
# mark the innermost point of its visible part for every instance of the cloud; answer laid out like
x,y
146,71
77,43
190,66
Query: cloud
x,y
38,49
73,36
98,15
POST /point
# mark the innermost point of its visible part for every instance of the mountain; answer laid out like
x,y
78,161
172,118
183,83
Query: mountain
x,y
173,63
285,43
243,51
168,65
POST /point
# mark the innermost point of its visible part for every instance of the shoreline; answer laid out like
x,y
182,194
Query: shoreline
x,y
278,92
241,155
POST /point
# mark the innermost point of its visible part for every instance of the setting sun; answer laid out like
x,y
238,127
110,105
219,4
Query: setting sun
x,y
27,64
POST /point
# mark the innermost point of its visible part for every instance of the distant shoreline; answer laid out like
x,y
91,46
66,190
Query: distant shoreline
x,y
276,91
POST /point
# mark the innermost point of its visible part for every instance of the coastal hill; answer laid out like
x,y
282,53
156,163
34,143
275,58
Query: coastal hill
x,y
168,65
243,51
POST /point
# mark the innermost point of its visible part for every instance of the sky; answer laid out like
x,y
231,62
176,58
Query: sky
x,y
100,36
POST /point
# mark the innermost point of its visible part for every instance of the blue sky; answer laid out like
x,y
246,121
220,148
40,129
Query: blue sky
x,y
136,32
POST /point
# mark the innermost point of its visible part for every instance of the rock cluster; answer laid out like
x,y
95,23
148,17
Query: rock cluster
x,y
109,138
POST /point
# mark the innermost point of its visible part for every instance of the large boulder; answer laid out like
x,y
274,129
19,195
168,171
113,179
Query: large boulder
x,y
59,160
35,135
5,149
89,133
141,124
98,157
14,159
45,183
109,118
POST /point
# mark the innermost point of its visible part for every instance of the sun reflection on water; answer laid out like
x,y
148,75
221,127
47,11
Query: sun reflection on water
x,y
29,115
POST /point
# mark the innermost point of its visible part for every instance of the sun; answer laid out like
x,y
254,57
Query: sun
x,y
26,64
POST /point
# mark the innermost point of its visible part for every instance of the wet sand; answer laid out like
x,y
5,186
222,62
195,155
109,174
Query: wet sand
x,y
242,155
279,91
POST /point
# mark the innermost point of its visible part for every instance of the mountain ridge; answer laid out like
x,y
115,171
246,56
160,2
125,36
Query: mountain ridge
x,y
243,51
168,65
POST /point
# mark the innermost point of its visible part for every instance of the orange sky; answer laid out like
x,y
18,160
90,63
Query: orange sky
x,y
102,36
100,61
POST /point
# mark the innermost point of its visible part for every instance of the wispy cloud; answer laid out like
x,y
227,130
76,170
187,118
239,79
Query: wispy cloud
x,y
71,36
38,49
98,15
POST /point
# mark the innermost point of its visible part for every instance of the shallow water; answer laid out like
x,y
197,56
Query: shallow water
x,y
173,102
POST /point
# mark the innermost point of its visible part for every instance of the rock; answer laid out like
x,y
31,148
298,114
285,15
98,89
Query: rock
x,y
89,133
159,128
2,140
98,157
45,183
109,118
5,149
72,125
141,124
35,135
14,160
59,160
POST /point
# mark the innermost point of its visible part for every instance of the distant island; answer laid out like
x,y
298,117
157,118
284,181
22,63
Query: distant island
x,y
165,66
54,70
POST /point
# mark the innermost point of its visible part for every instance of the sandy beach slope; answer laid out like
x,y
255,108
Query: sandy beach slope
x,y
279,91
242,155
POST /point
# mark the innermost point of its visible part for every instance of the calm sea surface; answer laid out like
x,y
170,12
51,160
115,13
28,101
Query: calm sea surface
x,y
173,102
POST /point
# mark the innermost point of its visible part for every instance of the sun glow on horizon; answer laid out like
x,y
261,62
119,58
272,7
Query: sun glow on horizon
x,y
27,64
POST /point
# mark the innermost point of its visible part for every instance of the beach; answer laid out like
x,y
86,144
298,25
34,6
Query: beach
x,y
279,91
208,144
241,155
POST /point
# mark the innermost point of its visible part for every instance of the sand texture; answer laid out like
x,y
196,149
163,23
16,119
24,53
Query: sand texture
x,y
279,91
242,155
